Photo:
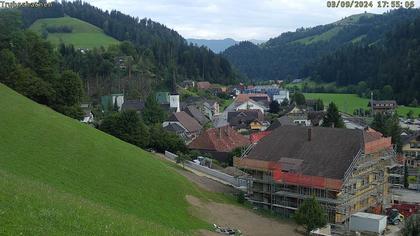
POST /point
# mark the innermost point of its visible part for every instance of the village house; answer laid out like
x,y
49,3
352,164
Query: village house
x,y
261,98
191,126
178,130
88,116
345,169
299,116
281,121
411,151
162,98
250,105
168,101
219,142
211,108
186,84
246,120
203,85
316,117
195,112
110,101
383,106
281,96
136,105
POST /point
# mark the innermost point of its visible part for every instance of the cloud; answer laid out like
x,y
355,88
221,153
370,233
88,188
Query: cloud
x,y
238,19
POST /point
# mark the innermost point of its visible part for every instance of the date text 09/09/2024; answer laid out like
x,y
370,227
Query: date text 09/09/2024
x,y
370,4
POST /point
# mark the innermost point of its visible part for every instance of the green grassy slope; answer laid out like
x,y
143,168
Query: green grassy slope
x,y
349,102
58,176
84,35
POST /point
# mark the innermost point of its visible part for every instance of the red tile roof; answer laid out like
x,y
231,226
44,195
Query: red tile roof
x,y
223,139
246,97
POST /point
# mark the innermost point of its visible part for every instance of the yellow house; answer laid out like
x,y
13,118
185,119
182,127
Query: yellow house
x,y
411,150
256,125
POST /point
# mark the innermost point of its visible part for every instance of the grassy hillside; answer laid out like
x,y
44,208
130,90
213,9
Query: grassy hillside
x,y
58,176
84,35
349,102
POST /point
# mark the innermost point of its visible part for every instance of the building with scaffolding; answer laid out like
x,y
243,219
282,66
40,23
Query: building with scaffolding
x,y
345,169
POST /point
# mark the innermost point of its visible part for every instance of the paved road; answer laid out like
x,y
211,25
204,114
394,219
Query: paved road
x,y
221,119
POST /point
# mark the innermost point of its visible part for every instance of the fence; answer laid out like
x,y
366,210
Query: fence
x,y
222,177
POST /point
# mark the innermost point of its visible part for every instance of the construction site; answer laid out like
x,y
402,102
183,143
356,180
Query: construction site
x,y
346,170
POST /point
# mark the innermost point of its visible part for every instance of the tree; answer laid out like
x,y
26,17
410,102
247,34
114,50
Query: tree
x,y
284,103
128,127
310,215
410,114
152,113
333,117
69,89
411,226
274,107
406,184
319,105
387,92
389,126
162,140
182,158
241,197
299,98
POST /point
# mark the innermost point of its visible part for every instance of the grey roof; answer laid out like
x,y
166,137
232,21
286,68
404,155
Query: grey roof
x,y
316,117
137,105
174,127
282,121
329,152
241,119
410,137
186,120
196,114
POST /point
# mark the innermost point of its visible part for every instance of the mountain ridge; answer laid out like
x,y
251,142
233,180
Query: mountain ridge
x,y
285,56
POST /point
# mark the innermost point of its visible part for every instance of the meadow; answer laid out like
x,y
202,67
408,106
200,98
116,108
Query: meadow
x,y
349,102
59,176
84,35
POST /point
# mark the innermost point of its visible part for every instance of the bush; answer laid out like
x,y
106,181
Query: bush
x,y
240,198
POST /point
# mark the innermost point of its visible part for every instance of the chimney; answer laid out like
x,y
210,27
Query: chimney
x,y
310,134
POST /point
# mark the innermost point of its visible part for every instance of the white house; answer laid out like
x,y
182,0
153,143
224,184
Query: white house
x,y
174,102
250,105
283,94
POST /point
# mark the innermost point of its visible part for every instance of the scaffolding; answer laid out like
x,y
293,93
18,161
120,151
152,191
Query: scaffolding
x,y
364,185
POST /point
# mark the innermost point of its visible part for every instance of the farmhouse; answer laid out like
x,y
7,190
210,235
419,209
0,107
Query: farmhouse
x,y
383,106
219,142
195,112
190,125
246,119
204,85
345,170
134,105
411,150
250,105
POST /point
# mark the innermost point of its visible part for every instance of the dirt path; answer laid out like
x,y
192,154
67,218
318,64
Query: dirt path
x,y
206,183
231,216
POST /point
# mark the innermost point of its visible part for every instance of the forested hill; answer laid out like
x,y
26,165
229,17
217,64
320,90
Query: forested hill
x,y
393,63
285,56
167,52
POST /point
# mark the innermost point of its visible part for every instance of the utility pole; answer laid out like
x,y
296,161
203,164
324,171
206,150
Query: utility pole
x,y
371,102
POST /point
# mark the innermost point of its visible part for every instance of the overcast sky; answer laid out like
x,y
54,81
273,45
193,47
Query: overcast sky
x,y
237,19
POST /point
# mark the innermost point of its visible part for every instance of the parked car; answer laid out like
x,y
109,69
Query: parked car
x,y
226,231
395,217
